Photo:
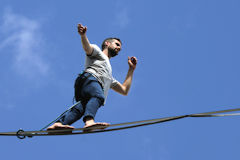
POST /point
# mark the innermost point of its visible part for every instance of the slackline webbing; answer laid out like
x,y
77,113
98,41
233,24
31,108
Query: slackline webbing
x,y
114,127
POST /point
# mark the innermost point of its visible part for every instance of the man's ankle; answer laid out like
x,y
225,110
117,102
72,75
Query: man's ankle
x,y
88,120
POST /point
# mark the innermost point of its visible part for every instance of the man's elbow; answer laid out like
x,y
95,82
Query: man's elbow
x,y
122,89
125,92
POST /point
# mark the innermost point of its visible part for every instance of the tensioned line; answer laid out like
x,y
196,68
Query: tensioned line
x,y
114,127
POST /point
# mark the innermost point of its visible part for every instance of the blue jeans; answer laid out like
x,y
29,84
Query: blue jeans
x,y
89,91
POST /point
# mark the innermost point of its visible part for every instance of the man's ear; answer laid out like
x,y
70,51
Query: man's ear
x,y
107,43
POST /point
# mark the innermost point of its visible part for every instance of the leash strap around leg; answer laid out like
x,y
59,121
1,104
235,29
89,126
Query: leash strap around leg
x,y
60,116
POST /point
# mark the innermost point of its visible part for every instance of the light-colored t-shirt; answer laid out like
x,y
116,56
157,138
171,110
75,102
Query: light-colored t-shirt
x,y
99,66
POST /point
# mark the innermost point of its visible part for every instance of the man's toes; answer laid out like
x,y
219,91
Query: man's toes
x,y
105,124
59,126
68,127
98,125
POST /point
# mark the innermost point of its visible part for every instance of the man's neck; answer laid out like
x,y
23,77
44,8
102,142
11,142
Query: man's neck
x,y
105,51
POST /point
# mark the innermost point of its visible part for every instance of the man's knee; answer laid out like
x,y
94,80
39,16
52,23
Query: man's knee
x,y
100,99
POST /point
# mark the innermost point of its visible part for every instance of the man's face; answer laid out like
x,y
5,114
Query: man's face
x,y
114,47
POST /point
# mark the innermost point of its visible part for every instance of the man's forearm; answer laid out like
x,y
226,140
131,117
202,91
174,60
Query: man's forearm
x,y
128,81
125,87
86,44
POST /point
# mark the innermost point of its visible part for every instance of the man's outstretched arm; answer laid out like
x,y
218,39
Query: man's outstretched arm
x,y
125,87
85,42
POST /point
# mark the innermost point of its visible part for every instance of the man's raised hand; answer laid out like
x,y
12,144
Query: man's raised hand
x,y
82,29
132,62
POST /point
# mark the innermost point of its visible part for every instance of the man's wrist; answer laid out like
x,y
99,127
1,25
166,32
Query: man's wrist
x,y
131,69
83,35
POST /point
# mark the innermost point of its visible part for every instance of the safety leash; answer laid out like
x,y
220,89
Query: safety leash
x,y
60,116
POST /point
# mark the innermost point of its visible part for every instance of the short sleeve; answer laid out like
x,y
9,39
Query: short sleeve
x,y
114,83
96,50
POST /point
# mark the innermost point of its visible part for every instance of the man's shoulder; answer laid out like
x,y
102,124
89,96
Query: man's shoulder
x,y
97,51
96,47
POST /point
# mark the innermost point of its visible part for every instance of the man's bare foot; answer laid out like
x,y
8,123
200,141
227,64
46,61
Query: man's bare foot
x,y
91,125
98,125
59,126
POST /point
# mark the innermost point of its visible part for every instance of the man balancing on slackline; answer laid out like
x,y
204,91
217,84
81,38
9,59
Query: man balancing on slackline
x,y
91,87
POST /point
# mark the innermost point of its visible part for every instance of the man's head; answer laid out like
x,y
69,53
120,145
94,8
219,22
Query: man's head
x,y
113,45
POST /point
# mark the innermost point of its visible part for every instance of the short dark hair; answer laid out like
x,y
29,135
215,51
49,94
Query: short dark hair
x,y
109,40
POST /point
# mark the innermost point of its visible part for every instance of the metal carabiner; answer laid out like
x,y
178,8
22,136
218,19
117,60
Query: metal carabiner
x,y
18,134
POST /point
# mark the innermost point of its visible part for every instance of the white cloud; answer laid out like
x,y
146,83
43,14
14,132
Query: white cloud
x,y
122,18
121,15
22,36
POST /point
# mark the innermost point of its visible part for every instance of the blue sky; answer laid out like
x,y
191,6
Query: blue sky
x,y
188,62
